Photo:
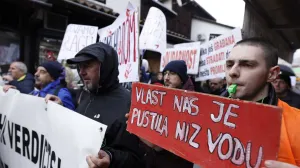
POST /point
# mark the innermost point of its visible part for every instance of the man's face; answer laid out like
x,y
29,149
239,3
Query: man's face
x,y
246,67
172,80
90,73
216,84
16,73
42,77
160,76
280,86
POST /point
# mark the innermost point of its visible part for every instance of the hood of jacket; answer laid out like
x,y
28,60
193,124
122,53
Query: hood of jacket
x,y
108,58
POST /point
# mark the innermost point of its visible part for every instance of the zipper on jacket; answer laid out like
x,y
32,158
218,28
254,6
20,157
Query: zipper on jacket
x,y
91,99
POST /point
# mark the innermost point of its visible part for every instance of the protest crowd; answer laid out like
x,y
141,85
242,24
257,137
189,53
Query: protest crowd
x,y
251,73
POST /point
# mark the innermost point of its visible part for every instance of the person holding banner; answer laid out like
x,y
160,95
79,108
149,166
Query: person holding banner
x,y
50,81
104,100
250,69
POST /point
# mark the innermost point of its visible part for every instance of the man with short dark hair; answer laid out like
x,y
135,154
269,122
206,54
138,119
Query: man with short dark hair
x,y
252,66
19,78
283,90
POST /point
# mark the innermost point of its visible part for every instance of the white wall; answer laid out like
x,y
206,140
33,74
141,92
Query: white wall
x,y
206,28
119,6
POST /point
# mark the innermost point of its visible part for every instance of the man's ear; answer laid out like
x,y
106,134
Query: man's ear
x,y
273,73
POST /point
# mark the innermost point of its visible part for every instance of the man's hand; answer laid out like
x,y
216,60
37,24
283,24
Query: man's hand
x,y
276,164
8,78
102,161
151,145
53,98
7,87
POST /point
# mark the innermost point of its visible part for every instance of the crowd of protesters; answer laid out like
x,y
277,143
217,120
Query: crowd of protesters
x,y
252,66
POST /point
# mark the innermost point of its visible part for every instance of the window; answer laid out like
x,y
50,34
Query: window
x,y
9,47
49,49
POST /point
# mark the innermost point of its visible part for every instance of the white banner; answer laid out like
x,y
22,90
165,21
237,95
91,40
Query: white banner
x,y
214,53
76,38
123,36
192,44
154,34
37,135
189,54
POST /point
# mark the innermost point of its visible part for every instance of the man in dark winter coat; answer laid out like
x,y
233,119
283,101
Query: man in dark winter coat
x,y
106,101
51,82
19,78
284,92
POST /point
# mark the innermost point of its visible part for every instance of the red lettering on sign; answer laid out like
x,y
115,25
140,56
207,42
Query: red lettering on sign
x,y
224,42
189,56
217,69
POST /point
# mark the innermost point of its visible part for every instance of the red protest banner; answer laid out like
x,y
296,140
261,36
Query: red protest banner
x,y
207,130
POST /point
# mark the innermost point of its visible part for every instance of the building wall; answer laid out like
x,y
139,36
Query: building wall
x,y
168,4
206,28
119,6
256,26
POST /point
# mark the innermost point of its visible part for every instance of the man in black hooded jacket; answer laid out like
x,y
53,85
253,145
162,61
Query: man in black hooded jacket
x,y
103,99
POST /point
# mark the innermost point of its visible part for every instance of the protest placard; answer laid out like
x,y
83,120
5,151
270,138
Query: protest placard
x,y
154,33
76,38
192,44
214,53
189,54
123,36
39,135
207,130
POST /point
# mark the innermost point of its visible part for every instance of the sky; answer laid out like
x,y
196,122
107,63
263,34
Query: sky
x,y
228,12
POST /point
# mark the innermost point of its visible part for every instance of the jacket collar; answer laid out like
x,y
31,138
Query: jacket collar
x,y
271,99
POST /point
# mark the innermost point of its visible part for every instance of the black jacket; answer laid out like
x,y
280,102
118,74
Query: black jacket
x,y
108,105
25,85
292,99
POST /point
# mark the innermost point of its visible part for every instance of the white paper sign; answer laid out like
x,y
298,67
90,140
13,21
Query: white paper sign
x,y
154,33
35,134
214,53
189,54
76,38
192,44
123,36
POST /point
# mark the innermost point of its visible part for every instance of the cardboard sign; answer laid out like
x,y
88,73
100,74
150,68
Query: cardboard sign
x,y
154,34
192,44
214,53
76,38
123,36
39,135
189,54
207,130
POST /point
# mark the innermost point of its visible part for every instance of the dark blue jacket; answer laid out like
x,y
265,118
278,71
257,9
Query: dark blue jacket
x,y
25,85
63,93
